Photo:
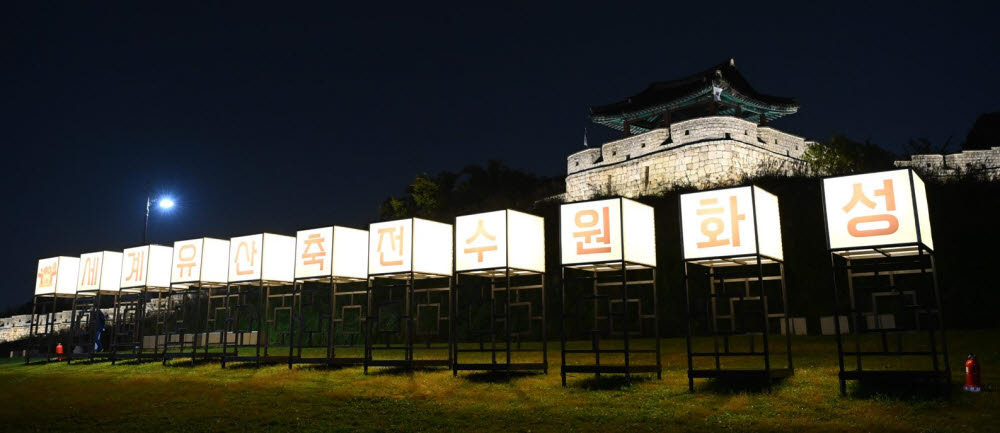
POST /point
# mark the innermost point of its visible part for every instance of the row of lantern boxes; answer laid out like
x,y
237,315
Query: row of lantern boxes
x,y
876,209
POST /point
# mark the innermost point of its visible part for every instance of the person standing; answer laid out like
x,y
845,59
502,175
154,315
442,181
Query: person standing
x,y
100,328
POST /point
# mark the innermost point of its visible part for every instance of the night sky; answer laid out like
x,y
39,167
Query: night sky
x,y
281,117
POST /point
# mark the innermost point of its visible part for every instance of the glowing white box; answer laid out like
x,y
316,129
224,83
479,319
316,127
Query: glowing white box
x,y
410,245
500,239
202,260
607,230
57,276
265,256
100,271
731,222
146,266
336,252
876,209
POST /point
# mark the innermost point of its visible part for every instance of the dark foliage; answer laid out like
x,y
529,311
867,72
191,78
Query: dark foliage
x,y
474,189
841,155
964,240
985,133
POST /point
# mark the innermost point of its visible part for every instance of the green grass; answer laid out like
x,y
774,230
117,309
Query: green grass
x,y
182,397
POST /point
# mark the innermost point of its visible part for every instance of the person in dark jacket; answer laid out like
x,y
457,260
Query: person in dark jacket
x,y
100,328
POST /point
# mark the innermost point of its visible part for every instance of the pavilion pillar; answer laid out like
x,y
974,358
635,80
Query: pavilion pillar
x,y
665,119
763,119
627,128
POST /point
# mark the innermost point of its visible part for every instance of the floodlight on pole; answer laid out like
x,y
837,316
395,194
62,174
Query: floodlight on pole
x,y
164,203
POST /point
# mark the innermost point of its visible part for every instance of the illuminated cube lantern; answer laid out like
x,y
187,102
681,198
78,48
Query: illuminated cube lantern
x,y
611,230
410,245
500,240
147,266
335,252
731,223
887,210
262,257
57,276
100,271
200,261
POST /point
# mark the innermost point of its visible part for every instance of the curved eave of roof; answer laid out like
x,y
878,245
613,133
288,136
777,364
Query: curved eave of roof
x,y
770,112
664,93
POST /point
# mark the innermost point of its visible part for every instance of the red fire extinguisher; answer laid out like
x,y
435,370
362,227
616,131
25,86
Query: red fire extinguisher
x,y
59,351
972,382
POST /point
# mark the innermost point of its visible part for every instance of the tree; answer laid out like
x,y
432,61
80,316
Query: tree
x,y
393,207
841,155
427,194
475,188
985,133
923,146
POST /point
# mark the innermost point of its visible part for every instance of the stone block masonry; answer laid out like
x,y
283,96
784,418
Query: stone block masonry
x,y
18,327
982,163
699,152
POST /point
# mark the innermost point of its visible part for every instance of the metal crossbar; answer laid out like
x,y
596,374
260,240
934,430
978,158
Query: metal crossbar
x,y
898,292
410,296
500,293
751,291
602,315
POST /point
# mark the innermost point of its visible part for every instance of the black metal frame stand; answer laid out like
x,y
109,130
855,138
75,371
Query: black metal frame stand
x,y
182,330
905,277
401,292
83,328
611,285
516,289
126,325
327,319
216,327
129,331
261,321
753,278
303,290
43,342
348,330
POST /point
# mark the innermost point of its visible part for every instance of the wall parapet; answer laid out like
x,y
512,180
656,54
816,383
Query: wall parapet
x,y
984,162
686,132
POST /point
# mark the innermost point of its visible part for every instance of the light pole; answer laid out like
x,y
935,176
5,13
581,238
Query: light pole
x,y
163,202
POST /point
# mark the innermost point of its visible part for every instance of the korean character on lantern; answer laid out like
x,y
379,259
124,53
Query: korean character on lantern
x,y
137,265
249,250
47,275
713,225
186,255
480,232
314,252
395,245
597,238
91,268
891,223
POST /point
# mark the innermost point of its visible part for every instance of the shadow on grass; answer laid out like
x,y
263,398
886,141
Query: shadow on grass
x,y
608,382
249,365
97,360
323,367
400,371
135,361
190,363
496,376
895,391
739,386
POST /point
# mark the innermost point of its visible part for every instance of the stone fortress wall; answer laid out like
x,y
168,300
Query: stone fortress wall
x,y
698,152
18,327
985,163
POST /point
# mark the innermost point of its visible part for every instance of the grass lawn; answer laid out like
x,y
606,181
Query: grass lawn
x,y
181,397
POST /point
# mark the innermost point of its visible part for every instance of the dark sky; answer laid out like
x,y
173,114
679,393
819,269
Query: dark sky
x,y
282,117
